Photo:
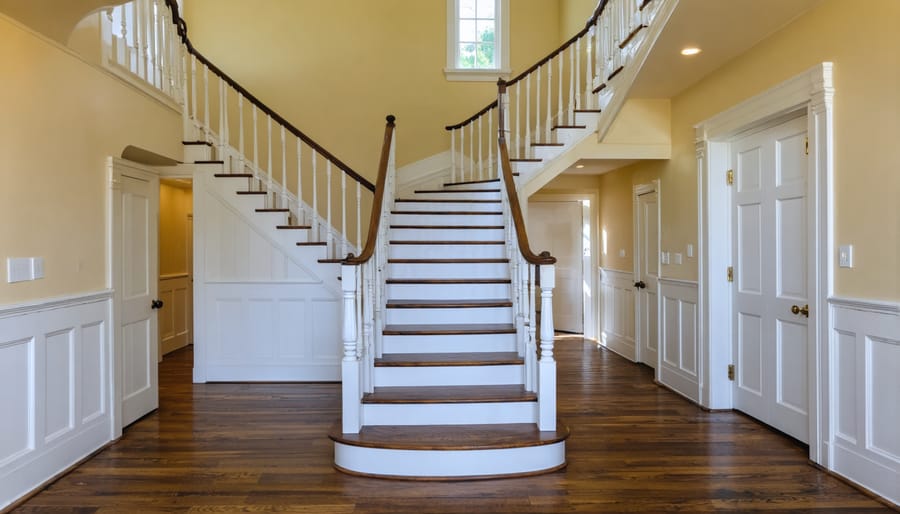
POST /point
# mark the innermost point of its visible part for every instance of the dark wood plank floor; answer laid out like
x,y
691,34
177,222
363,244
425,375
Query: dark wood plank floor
x,y
264,448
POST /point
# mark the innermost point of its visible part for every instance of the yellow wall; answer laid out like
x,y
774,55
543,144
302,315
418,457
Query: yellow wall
x,y
863,44
336,68
573,15
61,118
175,204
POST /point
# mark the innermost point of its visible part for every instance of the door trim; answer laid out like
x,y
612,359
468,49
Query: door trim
x,y
115,166
811,91
590,302
637,191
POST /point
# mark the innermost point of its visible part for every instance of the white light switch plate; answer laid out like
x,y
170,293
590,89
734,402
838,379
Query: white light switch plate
x,y
18,269
690,250
37,268
621,253
677,258
845,256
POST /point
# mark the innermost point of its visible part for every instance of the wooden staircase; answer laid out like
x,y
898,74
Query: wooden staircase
x,y
449,398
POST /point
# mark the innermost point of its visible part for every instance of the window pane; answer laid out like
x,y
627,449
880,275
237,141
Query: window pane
x,y
484,57
467,8
466,56
467,31
486,9
485,31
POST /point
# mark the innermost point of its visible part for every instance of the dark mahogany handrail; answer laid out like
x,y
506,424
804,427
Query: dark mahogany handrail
x,y
587,27
183,33
544,258
378,200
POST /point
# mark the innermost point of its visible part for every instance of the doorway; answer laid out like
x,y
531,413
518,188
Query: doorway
x,y
175,264
646,273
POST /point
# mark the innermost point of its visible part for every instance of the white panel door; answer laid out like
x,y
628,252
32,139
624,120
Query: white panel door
x,y
557,228
137,283
648,278
769,223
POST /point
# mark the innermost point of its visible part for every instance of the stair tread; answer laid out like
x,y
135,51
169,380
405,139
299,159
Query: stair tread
x,y
331,261
313,243
488,181
444,329
233,175
526,160
251,192
411,360
272,210
451,437
445,200
427,191
548,144
588,110
449,281
209,162
450,227
450,213
423,242
437,304
191,143
293,227
569,127
448,261
450,394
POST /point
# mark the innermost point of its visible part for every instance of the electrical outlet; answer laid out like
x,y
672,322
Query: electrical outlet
x,y
676,258
845,256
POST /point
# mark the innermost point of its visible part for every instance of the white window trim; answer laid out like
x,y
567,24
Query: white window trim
x,y
451,72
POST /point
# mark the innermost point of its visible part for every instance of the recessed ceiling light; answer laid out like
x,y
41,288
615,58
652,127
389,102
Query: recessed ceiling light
x,y
691,50
579,166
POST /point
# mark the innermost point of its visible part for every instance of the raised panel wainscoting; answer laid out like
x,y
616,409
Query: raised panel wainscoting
x,y
175,316
864,381
617,311
55,388
678,342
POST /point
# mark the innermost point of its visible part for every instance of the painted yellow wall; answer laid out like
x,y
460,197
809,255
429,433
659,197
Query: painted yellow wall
x,y
175,204
336,68
573,14
61,119
863,44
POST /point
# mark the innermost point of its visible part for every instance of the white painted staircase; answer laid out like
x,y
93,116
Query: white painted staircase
x,y
449,396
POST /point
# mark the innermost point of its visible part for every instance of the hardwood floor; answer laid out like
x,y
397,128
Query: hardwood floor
x,y
634,447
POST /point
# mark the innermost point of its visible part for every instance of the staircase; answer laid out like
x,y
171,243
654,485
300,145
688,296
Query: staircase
x,y
449,397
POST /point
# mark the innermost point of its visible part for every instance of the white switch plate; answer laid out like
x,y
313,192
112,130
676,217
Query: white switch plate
x,y
664,257
677,258
621,253
690,250
18,269
845,256
37,268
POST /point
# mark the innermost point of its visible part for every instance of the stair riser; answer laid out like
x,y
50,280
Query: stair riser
x,y
272,219
447,291
449,375
569,136
447,220
449,413
547,153
454,195
230,186
193,153
431,234
449,316
291,237
445,270
447,206
462,343
588,119
525,169
449,251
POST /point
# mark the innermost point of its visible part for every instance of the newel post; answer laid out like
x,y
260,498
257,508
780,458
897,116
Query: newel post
x,y
350,370
547,364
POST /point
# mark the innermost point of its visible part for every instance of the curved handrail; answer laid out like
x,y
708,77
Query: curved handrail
x,y
587,27
183,33
375,217
514,207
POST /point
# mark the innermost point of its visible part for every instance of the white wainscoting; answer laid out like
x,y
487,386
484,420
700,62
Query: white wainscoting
x,y
266,310
175,318
55,388
864,380
617,311
679,355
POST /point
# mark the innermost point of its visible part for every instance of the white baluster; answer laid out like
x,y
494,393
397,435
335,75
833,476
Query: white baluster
x,y
526,148
136,37
285,203
315,221
575,99
343,215
350,387
560,119
301,217
532,321
194,117
537,106
206,125
269,185
222,156
453,177
517,135
359,228
242,164
480,154
472,150
329,243
588,71
492,140
187,124
598,53
255,115
547,364
549,122
152,49
122,52
146,29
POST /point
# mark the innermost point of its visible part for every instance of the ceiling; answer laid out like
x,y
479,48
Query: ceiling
x,y
722,29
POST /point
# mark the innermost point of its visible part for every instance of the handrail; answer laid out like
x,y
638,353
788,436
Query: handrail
x,y
514,207
183,33
375,218
587,27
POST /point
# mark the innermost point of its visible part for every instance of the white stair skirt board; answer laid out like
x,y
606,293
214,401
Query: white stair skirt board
x,y
461,343
386,462
448,315
455,220
427,270
472,291
430,250
446,206
445,234
449,375
449,413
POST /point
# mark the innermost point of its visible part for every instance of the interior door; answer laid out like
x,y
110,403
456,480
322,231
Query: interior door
x,y
647,284
771,305
557,227
138,213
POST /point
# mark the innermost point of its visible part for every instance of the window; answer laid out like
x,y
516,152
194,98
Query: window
x,y
477,39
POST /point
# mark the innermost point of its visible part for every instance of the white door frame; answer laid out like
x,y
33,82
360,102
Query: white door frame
x,y
590,299
115,166
638,190
812,92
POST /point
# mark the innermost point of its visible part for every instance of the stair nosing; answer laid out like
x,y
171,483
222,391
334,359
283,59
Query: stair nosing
x,y
444,200
545,438
442,243
442,281
501,397
448,261
448,227
436,329
470,359
450,213
449,304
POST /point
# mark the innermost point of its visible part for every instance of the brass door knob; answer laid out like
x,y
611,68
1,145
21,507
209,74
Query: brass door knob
x,y
796,309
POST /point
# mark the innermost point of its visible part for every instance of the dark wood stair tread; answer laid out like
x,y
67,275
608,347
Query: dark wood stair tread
x,y
196,143
569,127
209,162
450,394
445,200
233,175
331,261
400,242
449,227
448,261
438,281
252,192
312,243
471,328
272,210
427,191
447,304
588,110
631,36
413,360
451,437
548,144
488,181
526,160
450,213
293,227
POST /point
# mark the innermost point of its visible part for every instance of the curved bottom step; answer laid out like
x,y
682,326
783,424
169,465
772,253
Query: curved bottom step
x,y
450,452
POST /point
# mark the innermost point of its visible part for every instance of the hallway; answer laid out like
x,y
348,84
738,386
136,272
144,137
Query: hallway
x,y
263,447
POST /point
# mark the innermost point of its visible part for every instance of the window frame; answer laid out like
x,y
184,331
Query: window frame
x,y
501,46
